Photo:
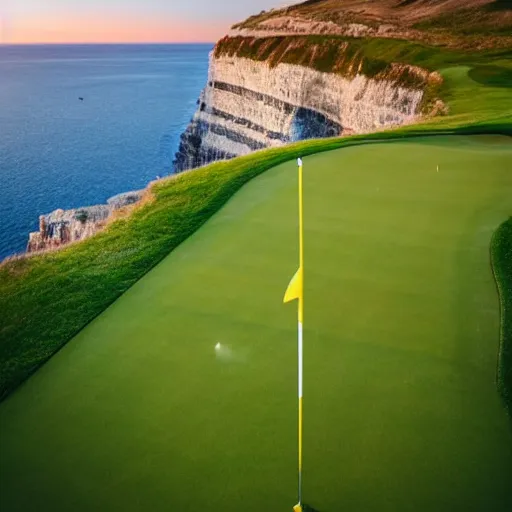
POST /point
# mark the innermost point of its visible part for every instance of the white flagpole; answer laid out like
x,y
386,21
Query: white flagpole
x,y
300,326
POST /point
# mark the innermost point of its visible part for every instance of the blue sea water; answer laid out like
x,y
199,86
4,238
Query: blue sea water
x,y
59,152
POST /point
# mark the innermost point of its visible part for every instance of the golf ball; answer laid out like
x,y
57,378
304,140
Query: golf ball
x,y
217,347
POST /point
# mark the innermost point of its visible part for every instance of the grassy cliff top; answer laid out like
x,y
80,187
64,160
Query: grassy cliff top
x,y
454,23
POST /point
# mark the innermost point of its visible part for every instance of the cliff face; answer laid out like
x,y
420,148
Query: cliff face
x,y
329,67
252,104
64,226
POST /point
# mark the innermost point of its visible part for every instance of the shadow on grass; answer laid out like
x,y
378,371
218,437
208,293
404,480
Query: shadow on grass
x,y
501,257
493,76
499,5
307,508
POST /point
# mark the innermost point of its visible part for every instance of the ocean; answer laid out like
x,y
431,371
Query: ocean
x,y
57,151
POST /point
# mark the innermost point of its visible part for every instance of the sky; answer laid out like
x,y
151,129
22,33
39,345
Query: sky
x,y
122,21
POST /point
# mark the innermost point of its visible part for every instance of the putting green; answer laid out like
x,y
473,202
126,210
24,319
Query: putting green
x,y
140,412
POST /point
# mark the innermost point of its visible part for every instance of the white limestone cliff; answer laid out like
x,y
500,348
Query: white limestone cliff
x,y
249,104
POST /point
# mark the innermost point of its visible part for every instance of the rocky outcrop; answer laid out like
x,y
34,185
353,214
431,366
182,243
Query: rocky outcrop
x,y
64,226
254,104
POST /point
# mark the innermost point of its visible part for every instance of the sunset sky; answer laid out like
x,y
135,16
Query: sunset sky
x,y
130,21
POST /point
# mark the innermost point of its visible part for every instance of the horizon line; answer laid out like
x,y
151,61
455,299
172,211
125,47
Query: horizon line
x,y
110,43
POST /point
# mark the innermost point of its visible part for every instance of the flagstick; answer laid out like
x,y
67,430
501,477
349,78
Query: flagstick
x,y
294,291
300,322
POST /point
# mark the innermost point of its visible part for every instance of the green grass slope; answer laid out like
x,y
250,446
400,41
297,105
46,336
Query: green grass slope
x,y
139,412
501,252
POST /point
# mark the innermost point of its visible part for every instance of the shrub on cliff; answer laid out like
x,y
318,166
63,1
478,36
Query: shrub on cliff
x,y
81,216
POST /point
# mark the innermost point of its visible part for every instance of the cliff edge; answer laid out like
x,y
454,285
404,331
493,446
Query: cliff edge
x,y
313,70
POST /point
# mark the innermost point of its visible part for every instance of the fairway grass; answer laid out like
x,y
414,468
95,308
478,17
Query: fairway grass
x,y
139,412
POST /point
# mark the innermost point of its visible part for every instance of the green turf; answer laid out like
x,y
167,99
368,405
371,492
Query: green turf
x,y
401,338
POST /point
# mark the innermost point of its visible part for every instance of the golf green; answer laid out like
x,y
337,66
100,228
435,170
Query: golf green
x,y
140,412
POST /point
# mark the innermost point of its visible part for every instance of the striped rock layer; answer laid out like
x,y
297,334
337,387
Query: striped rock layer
x,y
248,105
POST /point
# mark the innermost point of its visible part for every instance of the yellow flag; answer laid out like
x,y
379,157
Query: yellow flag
x,y
294,290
